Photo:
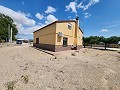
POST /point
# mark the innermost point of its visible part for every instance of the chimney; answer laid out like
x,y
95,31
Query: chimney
x,y
75,34
76,26
77,21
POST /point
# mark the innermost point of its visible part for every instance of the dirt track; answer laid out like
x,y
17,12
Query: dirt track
x,y
31,69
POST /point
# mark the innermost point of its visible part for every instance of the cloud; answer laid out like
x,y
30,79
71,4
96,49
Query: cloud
x,y
71,6
69,17
24,24
80,5
113,24
23,3
30,30
39,16
26,14
50,9
50,18
87,15
105,30
18,17
85,7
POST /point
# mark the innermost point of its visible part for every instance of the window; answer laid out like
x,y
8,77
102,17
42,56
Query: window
x,y
69,26
65,41
37,40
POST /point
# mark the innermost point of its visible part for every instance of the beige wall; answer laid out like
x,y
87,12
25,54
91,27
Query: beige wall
x,y
46,35
79,37
49,34
63,27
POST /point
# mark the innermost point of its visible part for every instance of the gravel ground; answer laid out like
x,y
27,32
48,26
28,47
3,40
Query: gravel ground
x,y
26,68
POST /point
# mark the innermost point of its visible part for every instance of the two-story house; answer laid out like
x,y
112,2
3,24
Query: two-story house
x,y
59,36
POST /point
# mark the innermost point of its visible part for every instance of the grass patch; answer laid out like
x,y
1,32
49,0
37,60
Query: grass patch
x,y
73,54
25,79
55,57
10,85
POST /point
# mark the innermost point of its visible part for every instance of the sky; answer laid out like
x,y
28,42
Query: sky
x,y
96,17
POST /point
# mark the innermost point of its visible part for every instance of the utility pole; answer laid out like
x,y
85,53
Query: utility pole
x,y
11,36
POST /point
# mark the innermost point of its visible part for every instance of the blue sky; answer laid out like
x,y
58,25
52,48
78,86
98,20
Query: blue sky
x,y
97,17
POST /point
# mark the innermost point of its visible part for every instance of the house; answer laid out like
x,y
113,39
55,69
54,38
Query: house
x,y
59,36
19,41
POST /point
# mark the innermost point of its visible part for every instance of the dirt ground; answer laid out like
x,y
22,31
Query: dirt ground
x,y
26,68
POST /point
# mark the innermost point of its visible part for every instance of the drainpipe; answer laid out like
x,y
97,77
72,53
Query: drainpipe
x,y
76,30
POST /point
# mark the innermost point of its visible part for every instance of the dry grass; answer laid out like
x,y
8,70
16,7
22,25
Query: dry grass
x,y
10,85
25,79
73,54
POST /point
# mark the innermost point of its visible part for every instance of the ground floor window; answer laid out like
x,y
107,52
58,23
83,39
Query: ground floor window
x,y
37,40
65,41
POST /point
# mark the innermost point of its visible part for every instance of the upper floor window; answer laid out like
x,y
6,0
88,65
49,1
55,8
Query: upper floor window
x,y
69,26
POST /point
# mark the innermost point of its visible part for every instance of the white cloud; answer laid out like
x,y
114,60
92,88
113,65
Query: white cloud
x,y
50,18
85,7
50,10
87,15
24,24
71,6
18,17
26,14
69,17
30,30
113,24
92,2
39,16
105,30
23,3
80,5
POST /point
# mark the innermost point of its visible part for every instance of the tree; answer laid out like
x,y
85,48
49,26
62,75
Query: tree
x,y
5,22
94,40
114,39
85,41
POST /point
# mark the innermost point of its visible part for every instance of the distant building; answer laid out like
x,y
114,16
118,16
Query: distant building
x,y
119,42
59,36
19,41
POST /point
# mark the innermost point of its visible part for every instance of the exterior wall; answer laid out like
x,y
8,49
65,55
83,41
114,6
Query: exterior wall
x,y
46,35
49,47
49,40
70,34
79,37
63,27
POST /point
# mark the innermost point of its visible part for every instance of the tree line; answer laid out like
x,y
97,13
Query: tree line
x,y
100,39
6,23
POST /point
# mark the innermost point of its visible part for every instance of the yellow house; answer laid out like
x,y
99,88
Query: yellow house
x,y
59,36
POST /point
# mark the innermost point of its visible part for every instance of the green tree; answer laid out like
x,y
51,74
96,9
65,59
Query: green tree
x,y
94,40
114,39
85,41
5,22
